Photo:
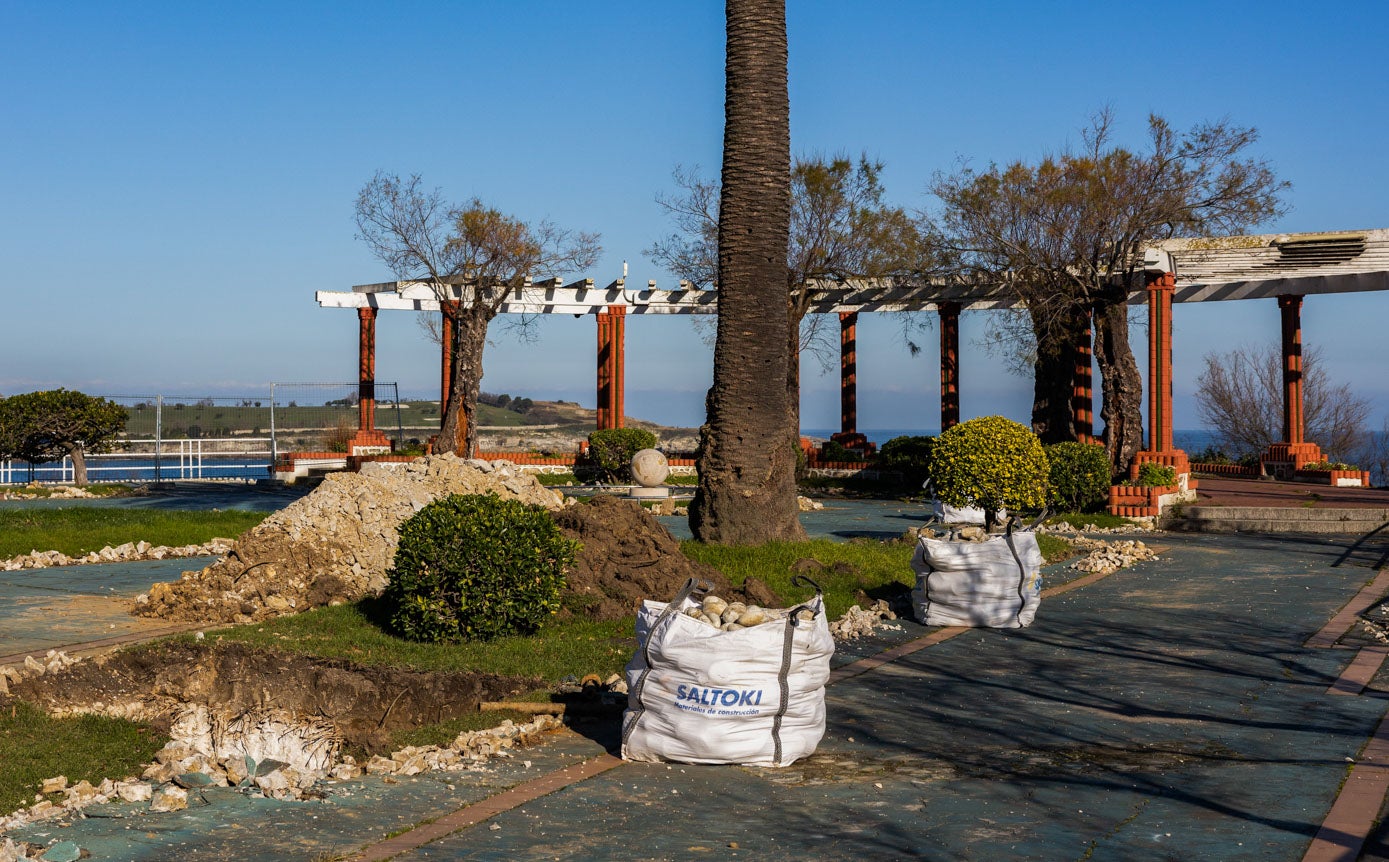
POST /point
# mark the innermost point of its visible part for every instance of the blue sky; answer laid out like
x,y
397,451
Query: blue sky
x,y
178,178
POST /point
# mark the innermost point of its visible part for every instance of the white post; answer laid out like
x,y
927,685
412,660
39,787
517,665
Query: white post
x,y
272,429
158,434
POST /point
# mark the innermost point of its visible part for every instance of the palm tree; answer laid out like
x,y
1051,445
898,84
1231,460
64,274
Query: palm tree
x,y
747,457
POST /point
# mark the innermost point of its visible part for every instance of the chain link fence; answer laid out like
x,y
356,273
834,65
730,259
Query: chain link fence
x,y
171,437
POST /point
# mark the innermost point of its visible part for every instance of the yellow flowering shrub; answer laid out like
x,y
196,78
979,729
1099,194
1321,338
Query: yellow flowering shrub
x,y
992,463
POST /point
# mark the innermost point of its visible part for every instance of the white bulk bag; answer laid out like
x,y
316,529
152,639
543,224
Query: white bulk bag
x,y
753,696
995,583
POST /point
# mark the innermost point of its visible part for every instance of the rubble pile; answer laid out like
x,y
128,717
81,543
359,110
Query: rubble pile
x,y
1136,525
860,622
261,753
34,491
1106,557
128,552
334,545
53,662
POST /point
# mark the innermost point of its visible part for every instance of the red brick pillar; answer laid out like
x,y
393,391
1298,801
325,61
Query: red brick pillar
x,y
611,366
1160,288
1293,427
848,372
949,364
367,437
1082,402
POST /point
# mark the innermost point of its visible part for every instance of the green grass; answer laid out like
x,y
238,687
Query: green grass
x,y
871,566
81,529
355,632
34,747
1103,520
1054,548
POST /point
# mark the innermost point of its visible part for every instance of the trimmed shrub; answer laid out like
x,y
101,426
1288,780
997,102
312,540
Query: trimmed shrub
x,y
836,452
611,451
910,456
474,567
1080,476
1154,475
992,463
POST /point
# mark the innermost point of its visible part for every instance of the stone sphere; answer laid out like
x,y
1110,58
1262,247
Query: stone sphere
x,y
649,468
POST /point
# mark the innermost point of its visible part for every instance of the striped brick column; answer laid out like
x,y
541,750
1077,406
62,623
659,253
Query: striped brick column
x,y
1082,401
848,372
1291,308
367,439
1160,288
611,366
949,364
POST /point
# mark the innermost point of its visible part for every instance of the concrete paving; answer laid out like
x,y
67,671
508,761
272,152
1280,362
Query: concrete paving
x,y
1169,711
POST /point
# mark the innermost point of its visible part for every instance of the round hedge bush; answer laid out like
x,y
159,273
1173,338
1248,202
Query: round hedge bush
x,y
992,463
910,456
611,450
475,567
1080,476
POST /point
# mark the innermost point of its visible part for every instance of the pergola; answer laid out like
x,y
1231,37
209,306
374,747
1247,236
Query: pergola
x,y
1283,267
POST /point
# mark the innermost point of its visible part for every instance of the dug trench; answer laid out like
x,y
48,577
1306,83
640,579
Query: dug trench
x,y
366,704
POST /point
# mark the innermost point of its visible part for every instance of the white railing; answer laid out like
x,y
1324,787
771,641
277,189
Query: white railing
x,y
241,458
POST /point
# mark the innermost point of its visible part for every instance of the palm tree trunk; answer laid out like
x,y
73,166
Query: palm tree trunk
x,y
747,461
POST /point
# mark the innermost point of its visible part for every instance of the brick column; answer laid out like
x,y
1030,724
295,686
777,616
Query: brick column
x,y
949,364
1082,402
848,372
1284,458
1160,361
1291,308
611,366
367,439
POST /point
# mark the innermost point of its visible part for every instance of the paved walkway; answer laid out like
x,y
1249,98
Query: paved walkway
x,y
1174,710
1212,491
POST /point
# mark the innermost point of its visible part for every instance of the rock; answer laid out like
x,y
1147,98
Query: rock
x,y
56,784
169,799
63,851
134,791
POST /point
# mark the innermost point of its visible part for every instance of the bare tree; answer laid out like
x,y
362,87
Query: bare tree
x,y
471,255
1241,401
840,229
1068,233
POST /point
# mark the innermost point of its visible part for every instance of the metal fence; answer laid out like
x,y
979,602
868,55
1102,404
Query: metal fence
x,y
175,437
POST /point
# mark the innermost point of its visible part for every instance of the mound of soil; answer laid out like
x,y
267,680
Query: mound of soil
x,y
628,556
334,545
366,704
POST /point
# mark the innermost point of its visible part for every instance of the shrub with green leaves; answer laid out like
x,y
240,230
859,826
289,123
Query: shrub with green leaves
x,y
611,451
475,567
1080,476
992,463
1154,475
910,456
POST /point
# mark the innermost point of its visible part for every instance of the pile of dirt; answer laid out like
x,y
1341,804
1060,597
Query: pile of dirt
x,y
628,556
334,545
365,704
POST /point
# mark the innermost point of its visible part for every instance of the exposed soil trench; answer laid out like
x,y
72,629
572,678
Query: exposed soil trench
x,y
366,704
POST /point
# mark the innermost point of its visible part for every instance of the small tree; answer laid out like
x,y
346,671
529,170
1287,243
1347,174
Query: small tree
x,y
910,456
1241,400
992,463
1080,476
472,256
44,426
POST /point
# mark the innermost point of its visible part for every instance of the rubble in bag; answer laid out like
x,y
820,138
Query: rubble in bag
x,y
334,545
732,616
754,696
991,581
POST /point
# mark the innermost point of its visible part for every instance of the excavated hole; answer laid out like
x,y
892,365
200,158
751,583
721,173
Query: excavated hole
x,y
367,704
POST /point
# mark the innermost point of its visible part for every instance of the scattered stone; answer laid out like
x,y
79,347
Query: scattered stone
x,y
805,504
128,552
859,622
1109,557
54,785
